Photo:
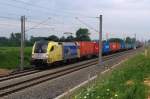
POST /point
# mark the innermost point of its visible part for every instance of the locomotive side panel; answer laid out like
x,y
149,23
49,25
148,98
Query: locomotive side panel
x,y
54,52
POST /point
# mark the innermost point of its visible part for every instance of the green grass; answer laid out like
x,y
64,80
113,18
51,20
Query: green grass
x,y
126,82
10,57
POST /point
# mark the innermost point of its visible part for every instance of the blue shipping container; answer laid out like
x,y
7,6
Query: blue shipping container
x,y
105,49
129,46
123,45
70,50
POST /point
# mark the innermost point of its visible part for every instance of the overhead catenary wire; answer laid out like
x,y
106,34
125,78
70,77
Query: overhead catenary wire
x,y
26,9
87,25
53,28
43,28
38,6
8,4
43,22
8,24
35,22
38,24
6,17
48,11
12,14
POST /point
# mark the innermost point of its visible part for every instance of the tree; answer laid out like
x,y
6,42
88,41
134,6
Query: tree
x,y
70,38
115,40
53,38
4,41
33,39
130,40
62,39
83,35
15,37
12,37
133,40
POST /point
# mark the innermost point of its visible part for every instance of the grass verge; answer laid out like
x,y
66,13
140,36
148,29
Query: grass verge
x,y
126,82
10,57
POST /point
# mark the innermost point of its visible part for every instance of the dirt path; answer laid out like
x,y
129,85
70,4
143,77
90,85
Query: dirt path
x,y
4,72
147,83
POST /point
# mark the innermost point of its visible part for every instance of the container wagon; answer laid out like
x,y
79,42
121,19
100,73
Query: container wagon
x,y
87,49
105,47
123,45
70,50
114,46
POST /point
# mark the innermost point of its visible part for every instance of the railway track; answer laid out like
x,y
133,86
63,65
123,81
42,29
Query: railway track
x,y
32,71
19,74
13,85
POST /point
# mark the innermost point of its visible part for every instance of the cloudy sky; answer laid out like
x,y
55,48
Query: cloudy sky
x,y
121,18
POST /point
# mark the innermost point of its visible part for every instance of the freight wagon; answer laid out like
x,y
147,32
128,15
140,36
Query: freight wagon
x,y
105,47
114,46
70,50
123,45
88,49
129,46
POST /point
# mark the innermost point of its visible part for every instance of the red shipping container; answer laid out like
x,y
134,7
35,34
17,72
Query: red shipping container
x,y
115,46
96,48
87,48
118,46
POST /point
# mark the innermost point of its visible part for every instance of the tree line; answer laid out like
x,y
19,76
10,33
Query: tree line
x,y
82,34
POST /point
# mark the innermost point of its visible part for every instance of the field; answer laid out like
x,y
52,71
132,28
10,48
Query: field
x,y
130,81
10,57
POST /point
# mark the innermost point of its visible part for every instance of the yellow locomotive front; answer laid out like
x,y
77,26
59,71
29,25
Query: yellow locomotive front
x,y
39,53
46,52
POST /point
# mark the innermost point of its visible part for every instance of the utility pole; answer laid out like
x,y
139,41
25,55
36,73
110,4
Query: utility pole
x,y
124,36
22,42
107,36
135,41
100,39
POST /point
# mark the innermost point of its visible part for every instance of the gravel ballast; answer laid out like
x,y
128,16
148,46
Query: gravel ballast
x,y
51,89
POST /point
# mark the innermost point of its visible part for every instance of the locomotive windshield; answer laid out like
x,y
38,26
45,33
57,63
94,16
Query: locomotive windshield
x,y
41,47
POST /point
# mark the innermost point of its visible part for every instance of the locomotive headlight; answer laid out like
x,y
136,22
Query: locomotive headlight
x,y
33,55
46,56
39,56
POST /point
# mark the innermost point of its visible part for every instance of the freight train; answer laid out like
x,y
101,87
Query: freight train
x,y
50,52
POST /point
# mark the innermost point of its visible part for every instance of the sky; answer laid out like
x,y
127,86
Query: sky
x,y
121,18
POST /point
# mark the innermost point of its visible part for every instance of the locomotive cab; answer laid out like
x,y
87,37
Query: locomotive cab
x,y
46,52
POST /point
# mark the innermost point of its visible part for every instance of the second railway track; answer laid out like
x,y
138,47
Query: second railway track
x,y
20,83
32,71
19,74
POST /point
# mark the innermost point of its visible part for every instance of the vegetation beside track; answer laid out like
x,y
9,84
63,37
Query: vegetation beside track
x,y
130,81
10,57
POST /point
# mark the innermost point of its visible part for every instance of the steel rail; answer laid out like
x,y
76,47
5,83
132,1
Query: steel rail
x,y
5,90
